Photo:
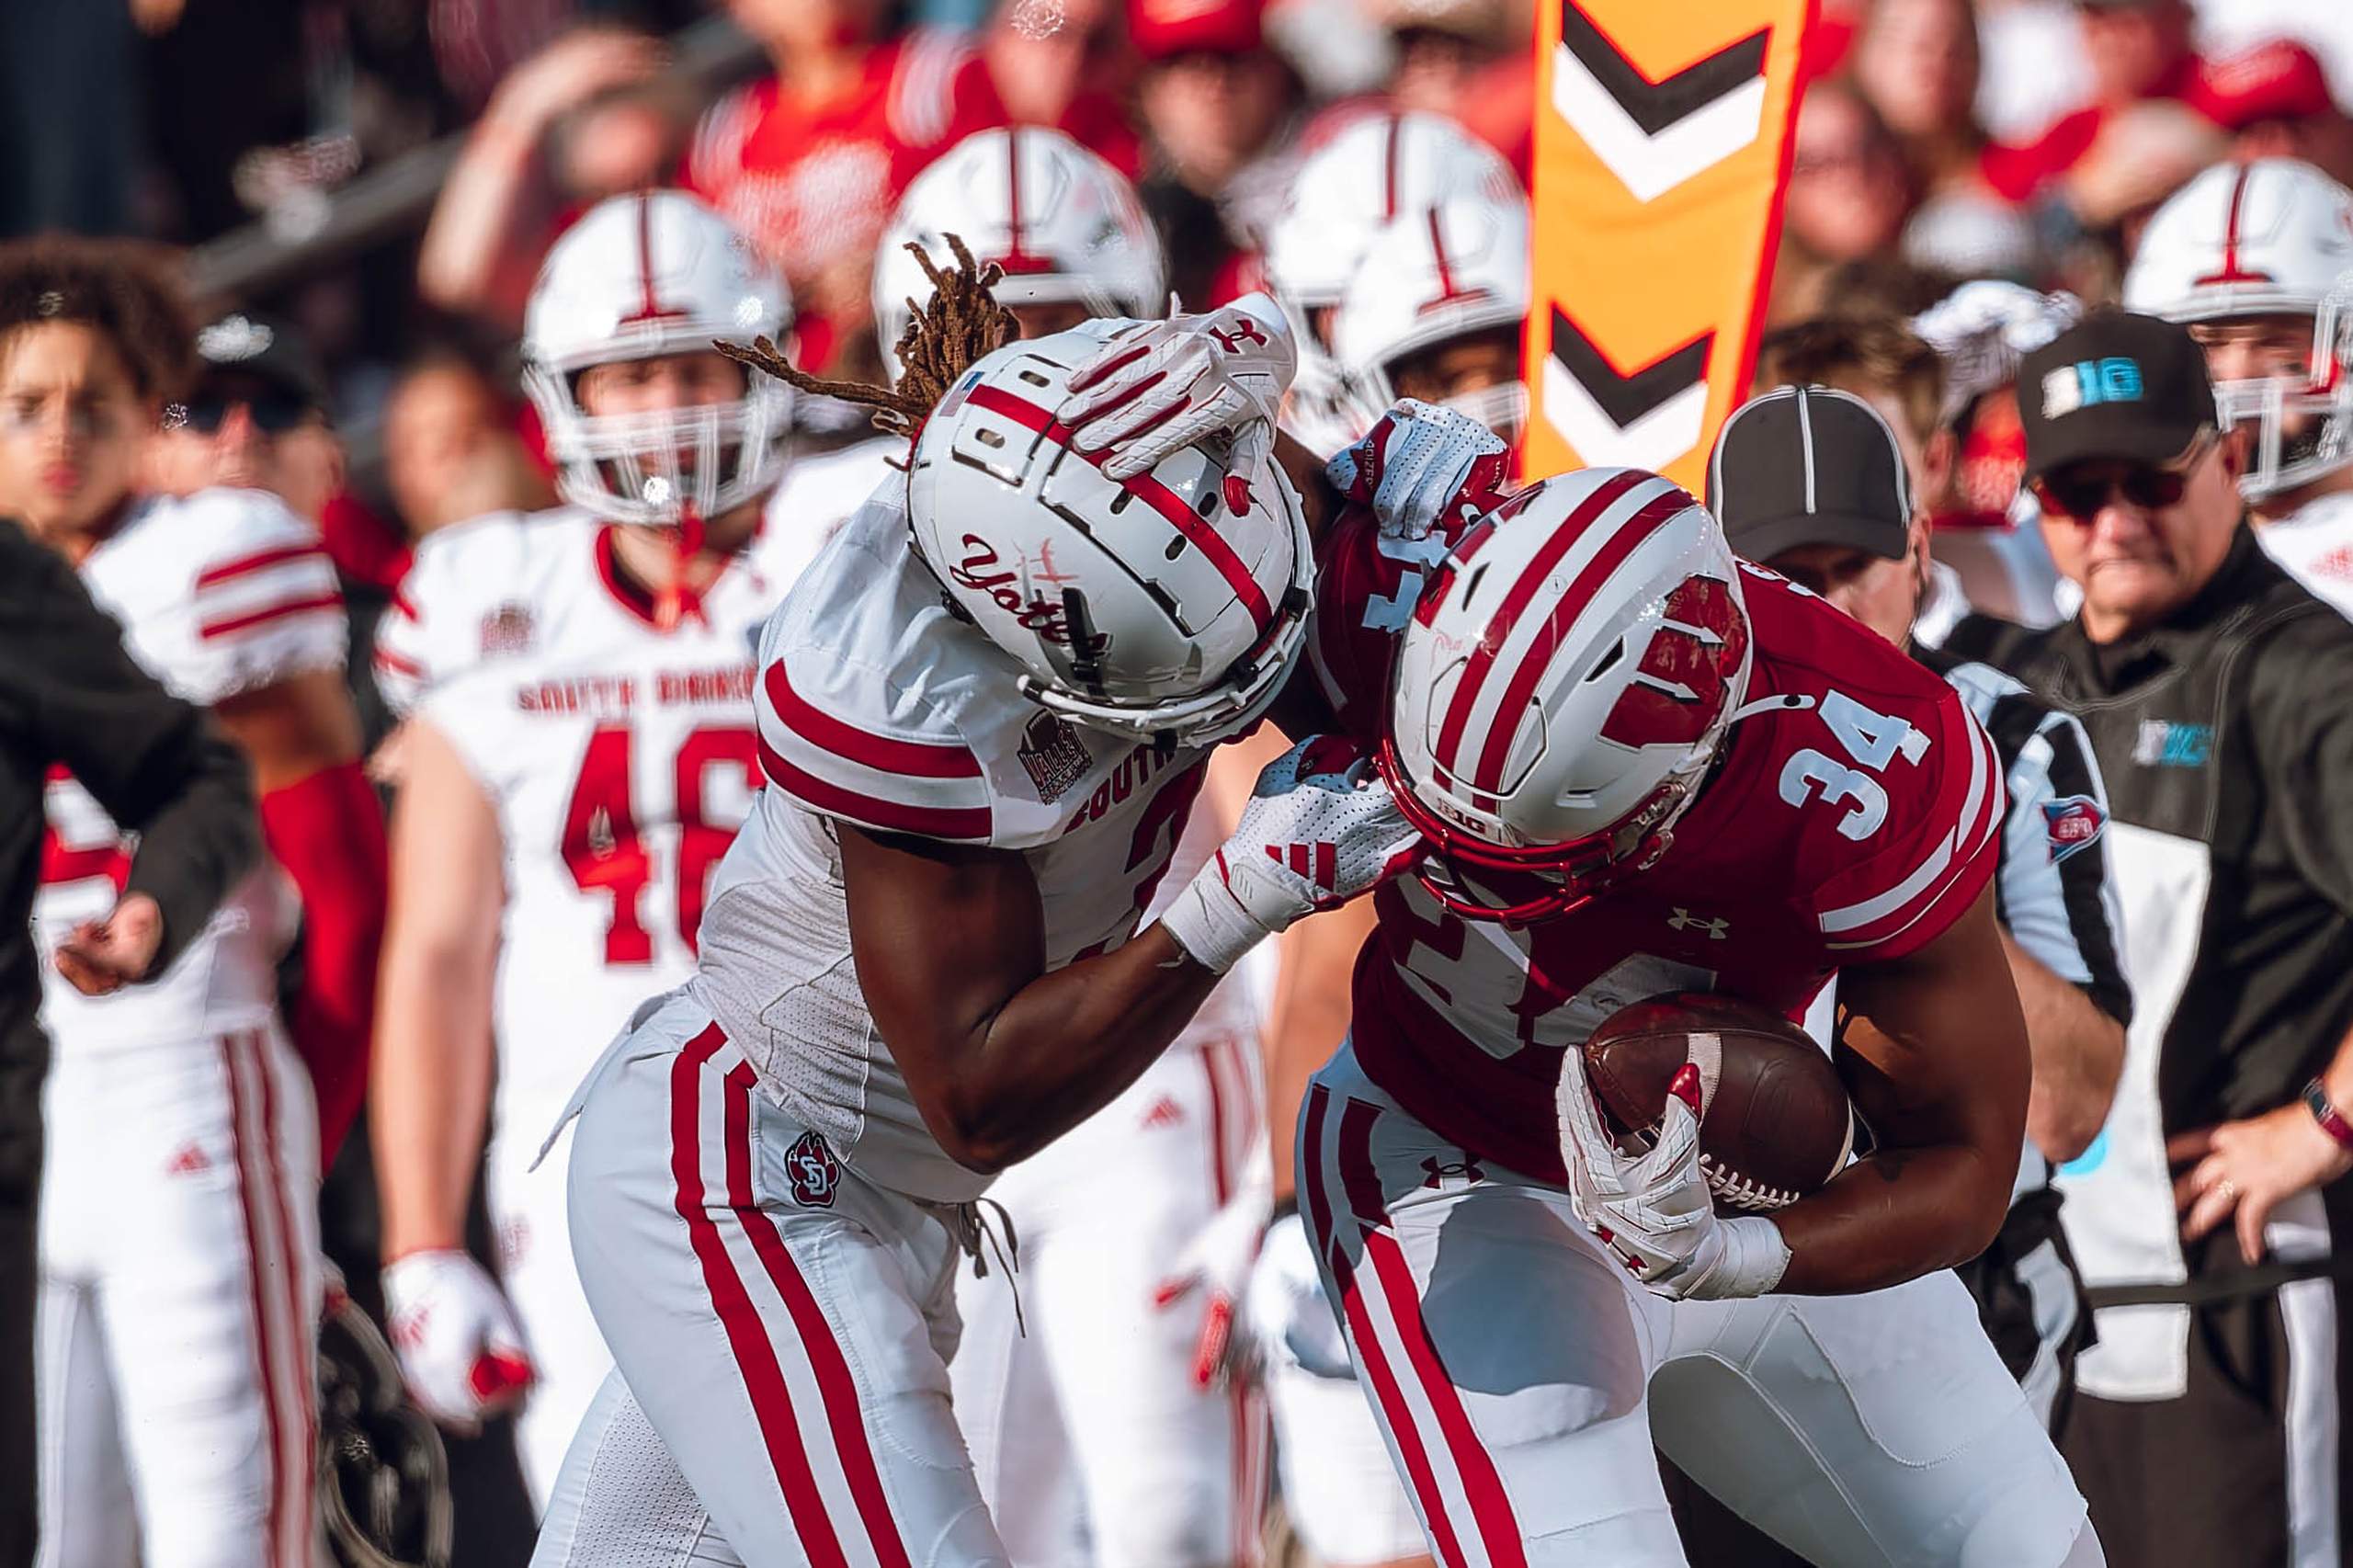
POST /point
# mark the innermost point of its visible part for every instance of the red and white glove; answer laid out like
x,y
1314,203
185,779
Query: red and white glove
x,y
1320,828
1213,1270
461,1350
1423,467
1653,1211
1159,386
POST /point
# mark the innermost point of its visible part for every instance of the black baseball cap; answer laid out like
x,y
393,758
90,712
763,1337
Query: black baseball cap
x,y
1810,465
2114,385
245,343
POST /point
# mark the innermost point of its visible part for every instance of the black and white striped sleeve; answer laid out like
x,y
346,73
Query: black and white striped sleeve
x,y
2053,891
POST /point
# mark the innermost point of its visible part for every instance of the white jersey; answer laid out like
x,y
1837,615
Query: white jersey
x,y
544,585
620,760
819,491
2315,542
879,708
221,592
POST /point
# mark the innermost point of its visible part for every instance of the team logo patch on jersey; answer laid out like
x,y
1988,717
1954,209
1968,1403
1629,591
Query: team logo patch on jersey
x,y
2073,822
1053,756
507,629
813,1171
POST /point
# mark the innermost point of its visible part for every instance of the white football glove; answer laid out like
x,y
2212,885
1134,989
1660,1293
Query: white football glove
x,y
1161,385
1211,1272
1285,1312
461,1350
1984,328
1422,465
1653,1211
1320,828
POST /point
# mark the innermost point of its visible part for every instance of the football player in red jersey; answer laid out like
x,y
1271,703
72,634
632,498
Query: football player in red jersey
x,y
1640,767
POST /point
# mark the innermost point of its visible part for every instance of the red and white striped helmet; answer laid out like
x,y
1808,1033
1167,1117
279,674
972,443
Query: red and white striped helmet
x,y
638,278
1430,277
2271,237
1169,606
1065,225
1563,687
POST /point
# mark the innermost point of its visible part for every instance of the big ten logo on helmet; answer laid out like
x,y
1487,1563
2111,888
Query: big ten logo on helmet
x,y
982,571
814,1172
2089,383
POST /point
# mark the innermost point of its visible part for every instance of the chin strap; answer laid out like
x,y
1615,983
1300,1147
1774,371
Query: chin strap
x,y
678,598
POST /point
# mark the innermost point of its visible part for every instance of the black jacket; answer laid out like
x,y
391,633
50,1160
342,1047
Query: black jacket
x,y
70,696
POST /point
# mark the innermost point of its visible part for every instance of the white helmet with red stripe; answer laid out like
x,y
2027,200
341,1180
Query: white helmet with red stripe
x,y
2269,238
1166,607
1065,226
640,277
1432,277
1344,193
1564,683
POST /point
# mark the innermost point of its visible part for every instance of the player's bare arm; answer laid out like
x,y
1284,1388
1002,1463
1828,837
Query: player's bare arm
x,y
430,1081
2078,1053
1933,1050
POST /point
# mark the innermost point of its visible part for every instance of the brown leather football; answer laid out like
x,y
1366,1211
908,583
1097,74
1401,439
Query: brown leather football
x,y
1776,1124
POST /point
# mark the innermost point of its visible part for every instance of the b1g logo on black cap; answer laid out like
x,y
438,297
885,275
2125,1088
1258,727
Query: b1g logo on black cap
x,y
2087,383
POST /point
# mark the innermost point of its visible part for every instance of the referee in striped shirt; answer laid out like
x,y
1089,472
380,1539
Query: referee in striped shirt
x,y
1813,484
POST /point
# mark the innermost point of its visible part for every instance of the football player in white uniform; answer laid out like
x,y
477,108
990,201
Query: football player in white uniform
x,y
1100,1423
1372,172
1435,311
984,716
179,1292
2256,259
579,754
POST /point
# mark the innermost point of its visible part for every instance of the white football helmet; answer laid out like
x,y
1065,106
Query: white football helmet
x,y
2271,237
1167,607
1564,685
1065,226
1342,195
639,276
1431,276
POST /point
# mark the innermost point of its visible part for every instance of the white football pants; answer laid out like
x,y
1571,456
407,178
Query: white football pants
x,y
780,1331
1093,1443
179,1306
1521,1376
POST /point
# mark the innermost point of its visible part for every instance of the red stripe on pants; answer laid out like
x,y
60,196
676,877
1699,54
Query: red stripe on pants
x,y
1490,1512
267,1353
835,1387
1369,1357
747,1335
301,1462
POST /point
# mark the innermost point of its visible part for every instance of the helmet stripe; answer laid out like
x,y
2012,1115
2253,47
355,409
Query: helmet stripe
x,y
2232,272
1530,669
649,308
1499,628
1148,490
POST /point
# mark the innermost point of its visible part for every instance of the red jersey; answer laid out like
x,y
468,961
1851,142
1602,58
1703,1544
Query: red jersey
x,y
1850,826
815,184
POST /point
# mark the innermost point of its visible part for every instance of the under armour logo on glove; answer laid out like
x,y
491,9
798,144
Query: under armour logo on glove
x,y
1160,386
1230,339
1422,468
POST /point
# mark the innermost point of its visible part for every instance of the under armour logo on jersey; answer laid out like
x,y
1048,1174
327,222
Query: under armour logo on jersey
x,y
1319,863
812,1170
1684,920
1230,339
1434,1172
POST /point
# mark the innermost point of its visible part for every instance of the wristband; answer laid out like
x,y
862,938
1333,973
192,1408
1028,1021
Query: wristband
x,y
1752,1260
1208,922
2317,1100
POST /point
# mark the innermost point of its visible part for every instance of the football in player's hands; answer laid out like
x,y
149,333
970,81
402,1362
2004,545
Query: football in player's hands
x,y
1777,1122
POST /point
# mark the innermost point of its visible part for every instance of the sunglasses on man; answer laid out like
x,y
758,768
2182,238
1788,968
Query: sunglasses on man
x,y
274,413
2080,489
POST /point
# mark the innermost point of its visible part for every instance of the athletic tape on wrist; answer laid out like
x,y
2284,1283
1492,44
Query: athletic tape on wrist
x,y
1209,923
1755,1258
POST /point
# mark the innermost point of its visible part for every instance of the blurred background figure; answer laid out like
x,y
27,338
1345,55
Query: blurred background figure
x,y
450,448
1469,61
1065,64
254,418
1848,197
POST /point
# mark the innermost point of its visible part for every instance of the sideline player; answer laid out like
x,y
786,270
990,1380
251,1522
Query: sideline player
x,y
1102,1424
2257,260
578,758
179,1227
984,715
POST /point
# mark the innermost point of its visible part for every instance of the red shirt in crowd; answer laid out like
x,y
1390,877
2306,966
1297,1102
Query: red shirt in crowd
x,y
2017,173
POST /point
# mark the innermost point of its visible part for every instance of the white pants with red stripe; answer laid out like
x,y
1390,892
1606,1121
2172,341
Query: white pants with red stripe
x,y
179,1303
780,1331
1092,1442
1521,1377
